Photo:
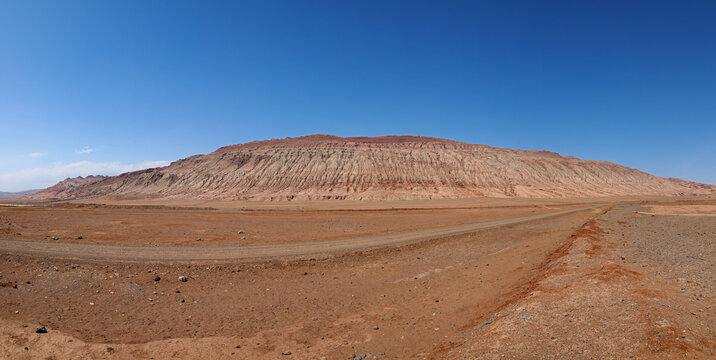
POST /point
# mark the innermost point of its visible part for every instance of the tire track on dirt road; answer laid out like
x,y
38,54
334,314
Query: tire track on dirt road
x,y
250,252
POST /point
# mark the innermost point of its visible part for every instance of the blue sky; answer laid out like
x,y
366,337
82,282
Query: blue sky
x,y
111,86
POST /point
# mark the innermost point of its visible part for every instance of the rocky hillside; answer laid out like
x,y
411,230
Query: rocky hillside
x,y
64,188
391,167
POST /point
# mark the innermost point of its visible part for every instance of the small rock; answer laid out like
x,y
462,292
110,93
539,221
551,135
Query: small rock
x,y
375,328
239,232
79,237
41,329
157,278
182,278
198,239
55,238
623,257
285,352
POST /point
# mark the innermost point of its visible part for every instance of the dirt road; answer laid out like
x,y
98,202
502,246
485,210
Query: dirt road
x,y
401,301
613,282
225,253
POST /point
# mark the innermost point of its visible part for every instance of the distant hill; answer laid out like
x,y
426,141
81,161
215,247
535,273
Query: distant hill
x,y
375,168
17,194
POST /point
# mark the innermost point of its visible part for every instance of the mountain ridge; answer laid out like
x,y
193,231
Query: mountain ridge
x,y
17,194
322,166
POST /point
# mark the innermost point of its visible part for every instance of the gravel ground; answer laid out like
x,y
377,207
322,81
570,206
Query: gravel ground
x,y
628,285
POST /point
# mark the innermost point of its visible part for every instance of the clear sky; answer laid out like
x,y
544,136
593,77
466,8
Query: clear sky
x,y
111,86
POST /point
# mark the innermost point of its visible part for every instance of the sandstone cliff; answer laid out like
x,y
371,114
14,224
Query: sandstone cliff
x,y
379,168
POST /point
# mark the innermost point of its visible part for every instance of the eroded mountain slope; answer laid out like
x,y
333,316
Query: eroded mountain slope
x,y
379,168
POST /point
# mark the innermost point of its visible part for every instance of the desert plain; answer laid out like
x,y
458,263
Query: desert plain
x,y
487,278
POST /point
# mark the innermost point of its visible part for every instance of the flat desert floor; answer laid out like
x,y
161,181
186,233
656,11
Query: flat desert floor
x,y
445,279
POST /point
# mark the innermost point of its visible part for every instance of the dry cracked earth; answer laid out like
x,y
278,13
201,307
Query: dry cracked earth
x,y
612,281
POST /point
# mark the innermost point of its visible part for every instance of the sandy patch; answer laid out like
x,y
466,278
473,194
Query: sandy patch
x,y
684,210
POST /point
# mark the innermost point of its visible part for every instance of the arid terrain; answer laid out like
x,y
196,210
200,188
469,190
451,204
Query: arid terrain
x,y
486,278
325,167
358,248
357,180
